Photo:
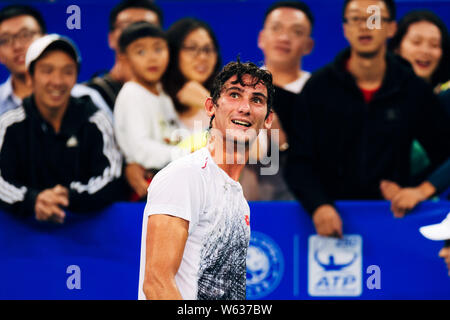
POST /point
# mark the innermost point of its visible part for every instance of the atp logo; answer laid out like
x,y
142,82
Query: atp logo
x,y
335,266
331,265
265,266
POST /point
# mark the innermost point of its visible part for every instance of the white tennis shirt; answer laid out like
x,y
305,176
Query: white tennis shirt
x,y
194,188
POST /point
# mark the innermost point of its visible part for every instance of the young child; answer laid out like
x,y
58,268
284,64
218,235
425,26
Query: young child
x,y
145,117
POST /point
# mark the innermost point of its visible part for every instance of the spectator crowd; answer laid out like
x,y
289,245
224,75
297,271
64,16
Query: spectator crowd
x,y
371,124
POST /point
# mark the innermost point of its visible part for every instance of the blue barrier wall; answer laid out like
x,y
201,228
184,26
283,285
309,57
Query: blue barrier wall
x,y
385,258
236,23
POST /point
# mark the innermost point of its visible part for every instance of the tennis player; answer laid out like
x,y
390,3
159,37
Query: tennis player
x,y
196,226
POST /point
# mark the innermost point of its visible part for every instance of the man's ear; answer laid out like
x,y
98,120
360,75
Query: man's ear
x,y
392,29
122,57
113,41
210,107
261,39
268,121
309,46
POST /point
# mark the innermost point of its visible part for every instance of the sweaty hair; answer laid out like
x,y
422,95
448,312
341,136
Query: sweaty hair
x,y
390,5
240,69
128,4
442,72
13,11
299,5
137,30
173,80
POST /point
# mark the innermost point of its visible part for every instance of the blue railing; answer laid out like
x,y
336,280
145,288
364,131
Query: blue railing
x,y
96,256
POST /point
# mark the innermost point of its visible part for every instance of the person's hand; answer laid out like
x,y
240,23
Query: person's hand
x,y
193,95
327,221
389,189
407,198
49,202
445,254
137,176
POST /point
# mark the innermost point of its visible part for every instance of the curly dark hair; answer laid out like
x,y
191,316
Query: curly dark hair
x,y
239,69
442,72
173,80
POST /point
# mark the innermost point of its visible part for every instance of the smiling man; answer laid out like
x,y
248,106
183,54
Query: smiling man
x,y
286,37
357,117
20,25
57,151
196,226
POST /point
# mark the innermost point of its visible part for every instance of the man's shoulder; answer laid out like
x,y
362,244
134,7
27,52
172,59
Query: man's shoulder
x,y
87,114
13,120
322,77
189,166
195,161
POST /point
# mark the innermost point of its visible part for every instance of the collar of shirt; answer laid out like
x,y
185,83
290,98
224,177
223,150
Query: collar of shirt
x,y
8,100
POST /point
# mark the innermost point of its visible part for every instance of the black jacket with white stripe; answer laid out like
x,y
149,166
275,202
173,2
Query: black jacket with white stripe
x,y
82,156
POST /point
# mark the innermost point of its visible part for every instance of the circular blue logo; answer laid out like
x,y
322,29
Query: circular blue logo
x,y
265,265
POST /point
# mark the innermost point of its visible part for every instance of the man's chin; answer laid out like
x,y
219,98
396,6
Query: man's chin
x,y
242,141
367,54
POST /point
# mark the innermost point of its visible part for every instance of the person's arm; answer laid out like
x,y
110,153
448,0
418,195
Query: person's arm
x,y
137,176
135,134
433,133
432,129
175,201
301,172
166,239
15,196
406,199
193,95
99,184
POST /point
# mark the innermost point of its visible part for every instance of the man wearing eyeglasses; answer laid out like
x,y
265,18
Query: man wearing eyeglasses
x,y
19,26
357,117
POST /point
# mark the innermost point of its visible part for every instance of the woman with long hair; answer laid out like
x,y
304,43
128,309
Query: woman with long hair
x,y
423,40
194,62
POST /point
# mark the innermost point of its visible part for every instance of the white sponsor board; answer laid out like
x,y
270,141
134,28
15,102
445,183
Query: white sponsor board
x,y
335,266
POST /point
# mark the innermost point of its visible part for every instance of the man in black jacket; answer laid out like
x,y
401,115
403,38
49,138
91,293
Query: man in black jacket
x,y
356,120
56,151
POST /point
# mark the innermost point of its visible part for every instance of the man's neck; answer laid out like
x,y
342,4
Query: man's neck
x,y
53,116
21,84
368,71
284,74
120,72
230,161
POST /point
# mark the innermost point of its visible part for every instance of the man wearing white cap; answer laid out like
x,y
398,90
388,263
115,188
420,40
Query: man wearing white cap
x,y
20,25
440,231
57,151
